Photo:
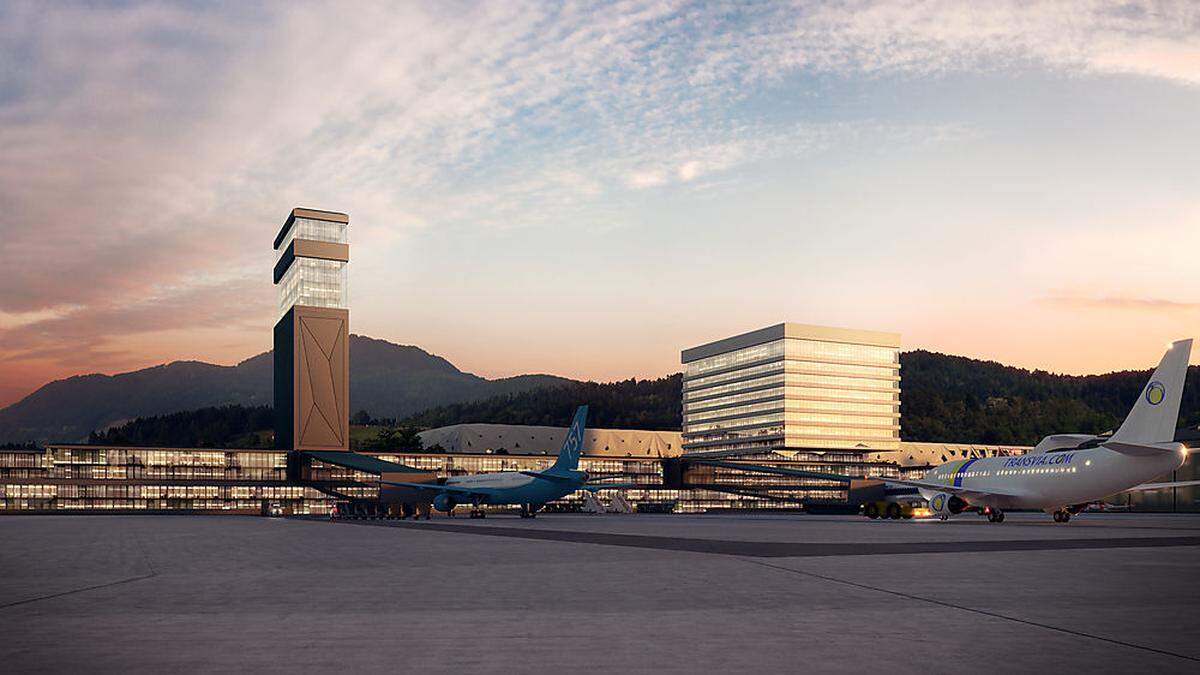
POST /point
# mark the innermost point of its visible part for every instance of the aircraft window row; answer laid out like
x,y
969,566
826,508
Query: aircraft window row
x,y
1021,472
1006,472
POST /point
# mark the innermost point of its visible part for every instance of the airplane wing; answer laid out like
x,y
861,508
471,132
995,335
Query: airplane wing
x,y
1163,486
548,477
590,487
593,487
942,487
436,488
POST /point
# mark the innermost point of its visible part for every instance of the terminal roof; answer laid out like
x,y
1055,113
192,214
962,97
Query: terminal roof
x,y
312,214
791,330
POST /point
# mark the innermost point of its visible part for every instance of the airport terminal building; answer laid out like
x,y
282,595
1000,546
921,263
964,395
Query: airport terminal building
x,y
76,478
776,418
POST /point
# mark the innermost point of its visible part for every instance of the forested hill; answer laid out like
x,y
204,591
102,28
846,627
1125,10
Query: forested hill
x,y
953,398
390,380
628,404
944,398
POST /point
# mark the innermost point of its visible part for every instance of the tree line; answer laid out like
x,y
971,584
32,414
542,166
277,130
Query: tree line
x,y
943,398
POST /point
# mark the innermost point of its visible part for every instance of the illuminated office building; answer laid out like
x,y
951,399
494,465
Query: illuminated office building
x,y
793,387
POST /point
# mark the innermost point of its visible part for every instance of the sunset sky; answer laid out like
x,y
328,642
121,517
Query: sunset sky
x,y
586,189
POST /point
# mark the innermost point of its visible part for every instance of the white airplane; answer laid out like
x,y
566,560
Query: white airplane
x,y
1060,477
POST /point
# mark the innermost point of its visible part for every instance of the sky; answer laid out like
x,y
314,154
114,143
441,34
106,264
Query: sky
x,y
586,189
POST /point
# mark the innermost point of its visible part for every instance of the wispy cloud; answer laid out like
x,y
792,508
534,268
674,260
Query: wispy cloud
x,y
87,332
1106,304
146,149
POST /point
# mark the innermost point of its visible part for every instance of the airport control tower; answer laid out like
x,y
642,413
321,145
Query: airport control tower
x,y
312,356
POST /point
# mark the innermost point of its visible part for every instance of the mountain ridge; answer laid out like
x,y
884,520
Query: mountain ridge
x,y
389,379
944,397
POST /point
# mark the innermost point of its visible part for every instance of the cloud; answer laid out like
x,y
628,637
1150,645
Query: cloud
x,y
1159,39
1104,304
157,146
87,334
647,178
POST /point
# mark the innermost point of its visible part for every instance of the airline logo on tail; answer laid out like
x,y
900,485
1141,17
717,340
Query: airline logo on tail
x,y
574,442
568,456
1155,393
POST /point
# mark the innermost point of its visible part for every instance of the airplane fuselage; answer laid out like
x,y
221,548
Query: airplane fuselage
x,y
514,487
1051,480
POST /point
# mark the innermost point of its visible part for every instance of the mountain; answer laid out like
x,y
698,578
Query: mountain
x,y
630,404
386,379
943,398
953,398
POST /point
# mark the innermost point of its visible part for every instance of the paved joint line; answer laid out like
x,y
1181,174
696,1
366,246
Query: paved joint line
x,y
964,608
78,590
145,559
775,549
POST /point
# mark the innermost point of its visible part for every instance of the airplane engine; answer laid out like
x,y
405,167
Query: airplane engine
x,y
944,505
444,503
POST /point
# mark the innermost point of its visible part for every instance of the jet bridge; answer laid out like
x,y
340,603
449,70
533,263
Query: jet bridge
x,y
722,474
356,478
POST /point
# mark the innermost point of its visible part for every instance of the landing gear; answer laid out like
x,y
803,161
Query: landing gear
x,y
871,511
1062,516
477,512
893,511
995,516
530,510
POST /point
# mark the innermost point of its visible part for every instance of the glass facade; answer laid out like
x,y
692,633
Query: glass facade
x,y
315,230
792,392
94,478
75,478
313,282
80,478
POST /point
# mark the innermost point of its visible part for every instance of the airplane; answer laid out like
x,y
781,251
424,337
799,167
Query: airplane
x,y
529,489
1065,473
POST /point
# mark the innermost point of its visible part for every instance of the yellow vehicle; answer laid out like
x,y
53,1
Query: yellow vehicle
x,y
903,508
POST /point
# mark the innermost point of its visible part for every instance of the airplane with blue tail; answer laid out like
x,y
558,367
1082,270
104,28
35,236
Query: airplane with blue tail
x,y
531,490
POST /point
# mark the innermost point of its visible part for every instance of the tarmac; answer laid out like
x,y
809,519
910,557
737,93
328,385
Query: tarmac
x,y
608,593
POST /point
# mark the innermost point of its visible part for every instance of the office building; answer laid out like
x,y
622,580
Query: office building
x,y
792,387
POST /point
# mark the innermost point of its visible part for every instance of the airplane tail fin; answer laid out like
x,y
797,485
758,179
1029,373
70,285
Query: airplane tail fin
x,y
1156,411
572,447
